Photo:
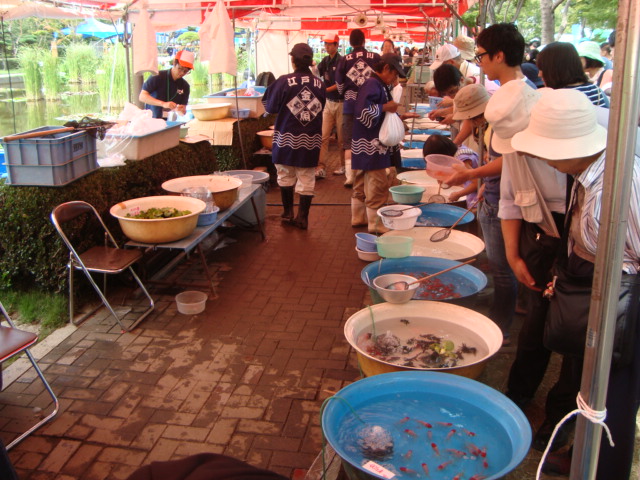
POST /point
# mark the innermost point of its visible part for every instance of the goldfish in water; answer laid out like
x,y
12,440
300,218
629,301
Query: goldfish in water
x,y
408,455
445,424
435,449
444,465
410,471
457,453
424,424
468,432
477,476
404,420
410,432
451,433
425,468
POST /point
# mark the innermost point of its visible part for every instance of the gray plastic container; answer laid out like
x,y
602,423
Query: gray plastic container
x,y
55,149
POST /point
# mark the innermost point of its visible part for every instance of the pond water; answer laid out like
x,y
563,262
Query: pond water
x,y
35,114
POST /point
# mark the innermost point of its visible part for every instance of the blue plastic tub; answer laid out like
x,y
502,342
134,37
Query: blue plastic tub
x,y
413,144
442,215
397,402
366,242
467,280
210,218
431,131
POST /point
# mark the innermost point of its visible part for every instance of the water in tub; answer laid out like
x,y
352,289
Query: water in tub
x,y
438,437
422,343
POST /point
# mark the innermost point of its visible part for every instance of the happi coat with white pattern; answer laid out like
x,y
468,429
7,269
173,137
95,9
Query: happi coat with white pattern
x,y
352,71
367,151
298,99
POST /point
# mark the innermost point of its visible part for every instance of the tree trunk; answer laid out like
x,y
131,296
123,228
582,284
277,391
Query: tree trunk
x,y
565,18
547,20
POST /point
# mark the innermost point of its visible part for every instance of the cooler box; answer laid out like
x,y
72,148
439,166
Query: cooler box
x,y
137,147
254,104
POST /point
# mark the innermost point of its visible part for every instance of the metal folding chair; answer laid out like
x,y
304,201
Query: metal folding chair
x,y
12,342
107,259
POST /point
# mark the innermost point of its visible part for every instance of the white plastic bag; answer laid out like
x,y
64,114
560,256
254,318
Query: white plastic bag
x,y
392,129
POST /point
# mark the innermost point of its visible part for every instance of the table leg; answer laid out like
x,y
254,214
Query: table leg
x,y
255,211
206,270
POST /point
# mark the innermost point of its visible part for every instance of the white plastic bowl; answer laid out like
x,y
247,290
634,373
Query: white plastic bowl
x,y
405,221
381,282
191,302
367,256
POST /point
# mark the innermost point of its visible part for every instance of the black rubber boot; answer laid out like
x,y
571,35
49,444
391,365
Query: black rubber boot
x,y
301,220
287,203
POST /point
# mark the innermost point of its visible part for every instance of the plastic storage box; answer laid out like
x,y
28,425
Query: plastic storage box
x,y
241,113
139,147
55,149
254,104
52,175
54,160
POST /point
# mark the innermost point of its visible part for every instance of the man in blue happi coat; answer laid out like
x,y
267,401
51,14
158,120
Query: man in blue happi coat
x,y
352,71
298,99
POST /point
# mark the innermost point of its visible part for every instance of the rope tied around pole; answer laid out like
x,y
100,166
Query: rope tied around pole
x,y
594,416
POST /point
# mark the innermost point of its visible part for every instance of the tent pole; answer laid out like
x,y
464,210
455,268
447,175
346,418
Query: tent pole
x,y
6,63
126,43
235,84
623,121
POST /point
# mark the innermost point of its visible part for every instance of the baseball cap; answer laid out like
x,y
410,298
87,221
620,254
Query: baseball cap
x,y
470,101
185,58
563,125
508,112
443,53
331,38
394,61
301,50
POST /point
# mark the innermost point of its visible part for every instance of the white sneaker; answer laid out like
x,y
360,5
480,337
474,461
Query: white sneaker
x,y
321,173
340,171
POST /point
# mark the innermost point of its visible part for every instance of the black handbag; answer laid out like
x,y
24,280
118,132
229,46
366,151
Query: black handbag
x,y
538,250
568,314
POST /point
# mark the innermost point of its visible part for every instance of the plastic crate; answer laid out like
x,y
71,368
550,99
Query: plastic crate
x,y
52,175
143,146
254,104
241,113
55,149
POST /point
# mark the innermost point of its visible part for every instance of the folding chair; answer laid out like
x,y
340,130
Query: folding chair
x,y
12,342
107,259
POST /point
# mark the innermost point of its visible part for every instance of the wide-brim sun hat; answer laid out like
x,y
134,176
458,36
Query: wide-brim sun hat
x,y
590,50
470,101
467,47
508,113
563,126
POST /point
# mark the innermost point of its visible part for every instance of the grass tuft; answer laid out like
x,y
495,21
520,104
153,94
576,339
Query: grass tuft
x,y
47,309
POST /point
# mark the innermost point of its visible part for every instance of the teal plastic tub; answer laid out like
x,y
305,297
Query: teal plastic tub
x,y
407,194
394,247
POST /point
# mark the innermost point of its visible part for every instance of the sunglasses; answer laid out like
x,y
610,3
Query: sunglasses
x,y
478,56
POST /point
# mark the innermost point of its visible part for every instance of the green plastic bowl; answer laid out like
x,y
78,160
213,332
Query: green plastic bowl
x,y
407,194
394,246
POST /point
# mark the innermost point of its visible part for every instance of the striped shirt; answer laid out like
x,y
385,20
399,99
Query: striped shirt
x,y
594,94
592,179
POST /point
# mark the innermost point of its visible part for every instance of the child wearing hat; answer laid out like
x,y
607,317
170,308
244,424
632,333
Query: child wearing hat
x,y
564,133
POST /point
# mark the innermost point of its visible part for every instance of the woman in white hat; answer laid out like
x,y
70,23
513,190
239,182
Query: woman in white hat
x,y
564,133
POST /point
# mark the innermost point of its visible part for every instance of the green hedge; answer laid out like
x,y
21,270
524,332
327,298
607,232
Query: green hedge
x,y
32,253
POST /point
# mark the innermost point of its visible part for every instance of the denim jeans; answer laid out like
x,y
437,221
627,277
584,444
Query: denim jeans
x,y
505,286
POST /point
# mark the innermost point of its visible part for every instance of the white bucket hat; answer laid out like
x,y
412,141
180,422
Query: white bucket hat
x,y
508,113
467,47
470,101
563,125
443,53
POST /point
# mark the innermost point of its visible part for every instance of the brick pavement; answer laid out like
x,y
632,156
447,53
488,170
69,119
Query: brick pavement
x,y
246,378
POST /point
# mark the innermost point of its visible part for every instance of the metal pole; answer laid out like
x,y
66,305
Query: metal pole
x,y
622,129
126,44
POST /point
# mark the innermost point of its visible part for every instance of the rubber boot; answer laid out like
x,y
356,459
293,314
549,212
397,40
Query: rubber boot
x,y
348,172
287,203
375,225
301,220
358,213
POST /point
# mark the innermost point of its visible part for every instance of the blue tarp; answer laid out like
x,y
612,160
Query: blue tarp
x,y
93,28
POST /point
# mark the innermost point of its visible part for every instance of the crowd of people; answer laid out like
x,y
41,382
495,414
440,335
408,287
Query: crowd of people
x,y
529,124
534,156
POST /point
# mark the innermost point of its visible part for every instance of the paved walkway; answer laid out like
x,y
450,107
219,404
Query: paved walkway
x,y
245,378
